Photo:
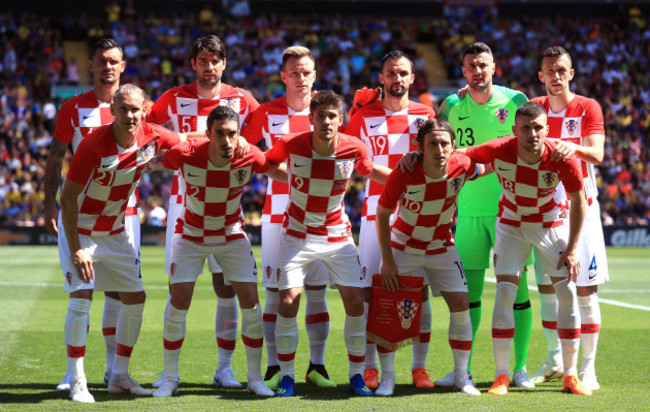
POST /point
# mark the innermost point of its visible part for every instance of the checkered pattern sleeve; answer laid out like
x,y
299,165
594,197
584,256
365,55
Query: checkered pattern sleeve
x,y
82,164
64,128
253,129
79,116
393,190
159,113
570,174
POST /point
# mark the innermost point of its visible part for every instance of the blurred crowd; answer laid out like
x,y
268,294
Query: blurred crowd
x,y
610,58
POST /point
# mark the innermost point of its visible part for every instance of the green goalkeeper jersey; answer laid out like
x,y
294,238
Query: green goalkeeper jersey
x,y
475,124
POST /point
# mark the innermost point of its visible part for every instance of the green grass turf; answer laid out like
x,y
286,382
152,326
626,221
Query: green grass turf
x,y
32,350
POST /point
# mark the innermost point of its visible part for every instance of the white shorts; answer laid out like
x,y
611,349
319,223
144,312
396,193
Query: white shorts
x,y
115,261
591,252
512,247
444,271
188,258
271,238
174,212
297,256
131,236
370,253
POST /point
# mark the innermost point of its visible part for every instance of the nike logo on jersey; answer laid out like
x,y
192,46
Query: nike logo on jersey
x,y
502,169
463,118
276,124
412,193
186,104
372,126
191,175
87,117
592,277
297,165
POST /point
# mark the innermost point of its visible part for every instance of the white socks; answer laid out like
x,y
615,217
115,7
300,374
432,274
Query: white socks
x,y
503,325
317,323
590,330
421,348
128,330
271,304
173,337
355,340
252,334
568,324
460,338
76,333
112,309
226,330
286,339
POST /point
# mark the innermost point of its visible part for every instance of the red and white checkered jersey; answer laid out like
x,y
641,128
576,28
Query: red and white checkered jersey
x,y
388,135
426,205
189,112
528,189
580,118
270,122
318,185
212,211
110,174
78,116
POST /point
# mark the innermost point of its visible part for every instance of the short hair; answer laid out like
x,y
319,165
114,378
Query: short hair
x,y
395,55
554,52
128,89
326,98
530,109
222,113
210,44
103,44
296,52
476,48
431,125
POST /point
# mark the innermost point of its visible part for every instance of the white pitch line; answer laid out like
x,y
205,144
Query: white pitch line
x,y
605,301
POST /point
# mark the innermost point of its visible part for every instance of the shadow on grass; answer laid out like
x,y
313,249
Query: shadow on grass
x,y
35,393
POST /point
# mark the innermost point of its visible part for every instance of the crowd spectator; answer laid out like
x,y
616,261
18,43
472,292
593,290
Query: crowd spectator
x,y
610,57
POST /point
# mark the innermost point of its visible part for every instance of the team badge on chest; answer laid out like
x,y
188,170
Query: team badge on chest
x,y
502,115
345,167
550,179
240,176
572,126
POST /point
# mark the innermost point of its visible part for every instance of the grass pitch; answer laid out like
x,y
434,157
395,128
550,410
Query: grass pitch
x,y
33,361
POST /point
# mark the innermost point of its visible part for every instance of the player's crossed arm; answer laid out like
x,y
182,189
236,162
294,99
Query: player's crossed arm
x,y
592,151
278,172
379,173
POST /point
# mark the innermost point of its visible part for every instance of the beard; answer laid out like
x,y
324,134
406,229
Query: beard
x,y
397,93
209,83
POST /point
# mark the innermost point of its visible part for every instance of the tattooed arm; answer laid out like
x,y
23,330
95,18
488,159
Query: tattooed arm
x,y
154,164
52,182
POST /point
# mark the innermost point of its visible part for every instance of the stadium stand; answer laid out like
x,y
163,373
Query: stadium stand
x,y
40,65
